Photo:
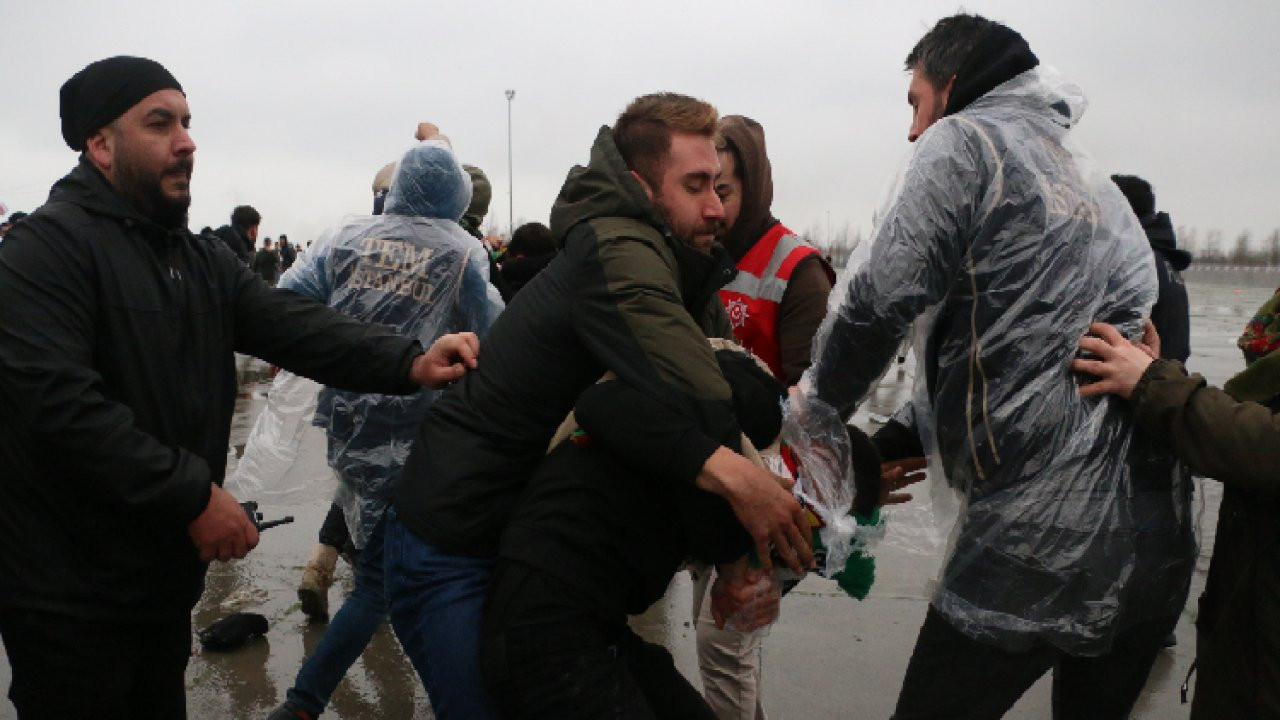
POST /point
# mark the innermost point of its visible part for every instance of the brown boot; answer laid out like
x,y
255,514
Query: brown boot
x,y
317,576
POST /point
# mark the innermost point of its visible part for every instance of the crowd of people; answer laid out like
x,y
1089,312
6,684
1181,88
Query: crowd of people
x,y
533,437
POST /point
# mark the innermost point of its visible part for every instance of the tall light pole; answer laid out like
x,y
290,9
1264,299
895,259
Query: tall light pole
x,y
511,184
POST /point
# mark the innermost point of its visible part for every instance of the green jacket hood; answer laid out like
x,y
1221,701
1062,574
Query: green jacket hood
x,y
604,188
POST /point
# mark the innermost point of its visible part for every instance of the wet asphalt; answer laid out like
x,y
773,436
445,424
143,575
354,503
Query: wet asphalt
x,y
827,657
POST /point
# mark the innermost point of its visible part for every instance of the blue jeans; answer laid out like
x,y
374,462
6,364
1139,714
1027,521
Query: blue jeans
x,y
348,633
437,604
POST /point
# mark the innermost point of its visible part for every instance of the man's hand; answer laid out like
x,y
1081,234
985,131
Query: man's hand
x,y
222,531
1150,343
745,595
768,511
448,359
897,474
1121,366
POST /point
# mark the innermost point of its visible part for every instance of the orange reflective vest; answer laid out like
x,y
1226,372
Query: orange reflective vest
x,y
752,299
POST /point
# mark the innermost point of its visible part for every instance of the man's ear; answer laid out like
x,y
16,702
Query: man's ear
x,y
946,91
100,148
647,190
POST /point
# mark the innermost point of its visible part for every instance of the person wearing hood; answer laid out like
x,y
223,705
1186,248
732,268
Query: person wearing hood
x,y
779,296
473,218
416,269
1003,242
633,290
1172,312
775,304
118,334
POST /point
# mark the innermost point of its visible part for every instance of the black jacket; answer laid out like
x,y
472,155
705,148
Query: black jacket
x,y
267,264
1172,312
614,530
117,385
623,295
237,241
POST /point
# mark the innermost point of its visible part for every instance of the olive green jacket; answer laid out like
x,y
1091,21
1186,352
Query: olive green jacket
x,y
1238,625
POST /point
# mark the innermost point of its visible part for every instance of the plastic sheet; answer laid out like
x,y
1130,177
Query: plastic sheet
x,y
819,440
423,276
1003,242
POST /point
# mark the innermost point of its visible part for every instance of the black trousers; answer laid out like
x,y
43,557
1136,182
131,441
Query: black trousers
x,y
334,533
65,667
952,676
546,657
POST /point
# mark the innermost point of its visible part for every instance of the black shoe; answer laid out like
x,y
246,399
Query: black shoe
x,y
289,711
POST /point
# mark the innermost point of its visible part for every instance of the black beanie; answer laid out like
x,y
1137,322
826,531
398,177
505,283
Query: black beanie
x,y
1139,194
104,90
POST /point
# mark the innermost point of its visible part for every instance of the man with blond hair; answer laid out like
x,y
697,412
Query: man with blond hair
x,y
632,291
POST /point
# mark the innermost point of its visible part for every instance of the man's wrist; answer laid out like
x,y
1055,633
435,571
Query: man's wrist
x,y
715,476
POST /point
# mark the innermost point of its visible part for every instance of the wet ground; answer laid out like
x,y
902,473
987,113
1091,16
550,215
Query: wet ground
x,y
827,657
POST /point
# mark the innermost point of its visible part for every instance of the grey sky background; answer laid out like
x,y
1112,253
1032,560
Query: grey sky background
x,y
297,104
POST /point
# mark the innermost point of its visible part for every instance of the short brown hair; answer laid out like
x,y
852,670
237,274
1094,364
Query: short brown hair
x,y
643,131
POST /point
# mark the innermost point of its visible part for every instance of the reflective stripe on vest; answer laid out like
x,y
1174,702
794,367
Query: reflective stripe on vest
x,y
753,297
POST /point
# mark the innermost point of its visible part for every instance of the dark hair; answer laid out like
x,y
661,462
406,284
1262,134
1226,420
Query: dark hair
x,y
941,51
529,240
16,216
643,131
1139,194
245,217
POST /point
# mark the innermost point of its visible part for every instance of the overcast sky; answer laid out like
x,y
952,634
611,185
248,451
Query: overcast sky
x,y
297,104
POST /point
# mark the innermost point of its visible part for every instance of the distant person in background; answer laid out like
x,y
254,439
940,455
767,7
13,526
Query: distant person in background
x,y
1171,316
481,194
1172,311
242,234
7,224
267,262
530,250
287,253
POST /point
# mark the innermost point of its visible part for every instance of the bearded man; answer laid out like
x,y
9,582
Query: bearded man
x,y
633,290
118,334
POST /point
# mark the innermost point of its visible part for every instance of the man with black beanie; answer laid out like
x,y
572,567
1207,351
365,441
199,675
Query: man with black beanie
x,y
118,329
1002,244
1172,312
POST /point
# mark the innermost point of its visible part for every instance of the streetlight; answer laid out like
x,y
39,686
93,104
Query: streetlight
x,y
511,193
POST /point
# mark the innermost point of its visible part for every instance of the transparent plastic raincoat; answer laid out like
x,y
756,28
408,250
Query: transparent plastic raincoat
x,y
409,269
1002,243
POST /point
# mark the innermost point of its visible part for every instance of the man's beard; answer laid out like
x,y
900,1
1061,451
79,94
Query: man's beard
x,y
685,235
143,190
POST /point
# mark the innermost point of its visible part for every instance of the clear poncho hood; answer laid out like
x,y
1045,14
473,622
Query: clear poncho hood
x,y
1002,242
